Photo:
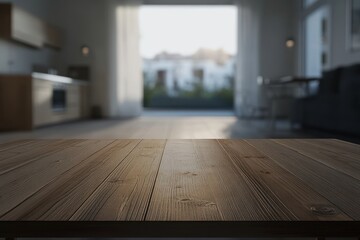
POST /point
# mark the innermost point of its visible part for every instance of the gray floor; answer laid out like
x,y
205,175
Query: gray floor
x,y
170,125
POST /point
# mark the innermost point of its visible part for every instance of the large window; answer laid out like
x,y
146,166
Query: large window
x,y
317,42
188,56
308,3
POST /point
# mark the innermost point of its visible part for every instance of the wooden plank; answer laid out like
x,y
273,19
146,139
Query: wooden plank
x,y
181,192
60,199
9,145
340,189
267,176
14,149
336,146
21,183
323,151
15,102
28,153
197,181
125,193
249,202
345,146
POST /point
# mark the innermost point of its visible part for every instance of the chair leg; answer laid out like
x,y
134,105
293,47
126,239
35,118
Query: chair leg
x,y
273,117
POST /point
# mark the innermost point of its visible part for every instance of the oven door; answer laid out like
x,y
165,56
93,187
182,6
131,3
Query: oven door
x,y
59,98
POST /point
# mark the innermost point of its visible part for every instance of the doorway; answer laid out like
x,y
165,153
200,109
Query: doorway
x,y
188,56
316,51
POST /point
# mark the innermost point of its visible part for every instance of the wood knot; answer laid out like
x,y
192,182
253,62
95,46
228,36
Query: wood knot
x,y
197,202
185,200
145,154
116,181
323,210
265,172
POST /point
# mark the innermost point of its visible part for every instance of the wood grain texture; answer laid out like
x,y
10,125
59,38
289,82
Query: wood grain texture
x,y
8,146
21,183
181,191
262,187
236,198
198,181
339,188
344,149
28,153
60,199
328,153
125,193
282,187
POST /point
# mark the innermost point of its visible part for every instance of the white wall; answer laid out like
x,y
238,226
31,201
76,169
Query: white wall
x,y
277,24
86,23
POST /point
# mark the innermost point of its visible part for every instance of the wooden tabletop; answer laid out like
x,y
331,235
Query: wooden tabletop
x,y
181,188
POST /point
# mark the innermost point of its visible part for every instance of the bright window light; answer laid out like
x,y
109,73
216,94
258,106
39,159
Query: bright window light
x,y
185,29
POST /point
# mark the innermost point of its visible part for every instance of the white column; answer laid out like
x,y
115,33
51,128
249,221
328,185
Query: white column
x,y
248,61
125,70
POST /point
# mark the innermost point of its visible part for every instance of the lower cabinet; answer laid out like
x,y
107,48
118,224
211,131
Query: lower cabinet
x,y
50,102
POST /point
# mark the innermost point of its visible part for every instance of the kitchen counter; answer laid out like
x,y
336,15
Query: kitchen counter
x,y
57,78
32,100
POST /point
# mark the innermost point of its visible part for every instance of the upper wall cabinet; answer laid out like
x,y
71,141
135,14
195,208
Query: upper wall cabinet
x,y
19,25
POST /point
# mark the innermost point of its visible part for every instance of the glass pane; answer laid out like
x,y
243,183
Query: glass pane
x,y
355,24
308,3
189,58
316,53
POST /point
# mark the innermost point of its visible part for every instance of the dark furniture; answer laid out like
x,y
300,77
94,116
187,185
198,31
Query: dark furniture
x,y
336,106
179,188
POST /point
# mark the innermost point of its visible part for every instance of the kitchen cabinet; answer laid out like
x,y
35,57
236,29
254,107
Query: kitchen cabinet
x,y
19,25
27,102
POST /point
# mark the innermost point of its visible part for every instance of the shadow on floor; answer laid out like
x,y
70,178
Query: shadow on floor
x,y
173,125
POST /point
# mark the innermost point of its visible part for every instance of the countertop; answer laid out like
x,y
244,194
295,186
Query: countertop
x,y
57,78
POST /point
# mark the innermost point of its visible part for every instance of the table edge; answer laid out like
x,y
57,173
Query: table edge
x,y
179,229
